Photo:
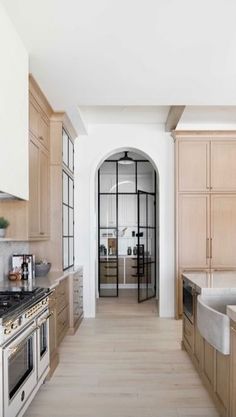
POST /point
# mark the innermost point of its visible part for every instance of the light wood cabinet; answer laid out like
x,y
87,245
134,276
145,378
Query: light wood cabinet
x,y
131,269
193,231
206,165
222,379
223,167
39,191
188,332
223,231
39,124
205,204
193,165
62,305
76,300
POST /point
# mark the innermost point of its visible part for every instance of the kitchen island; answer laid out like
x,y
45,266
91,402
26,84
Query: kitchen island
x,y
217,370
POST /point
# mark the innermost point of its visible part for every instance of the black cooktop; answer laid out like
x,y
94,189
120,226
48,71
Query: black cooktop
x,y
14,301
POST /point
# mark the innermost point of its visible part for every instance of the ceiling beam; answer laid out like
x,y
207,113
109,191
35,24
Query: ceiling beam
x,y
173,117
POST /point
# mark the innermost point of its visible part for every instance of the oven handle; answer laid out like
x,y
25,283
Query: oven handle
x,y
42,321
15,348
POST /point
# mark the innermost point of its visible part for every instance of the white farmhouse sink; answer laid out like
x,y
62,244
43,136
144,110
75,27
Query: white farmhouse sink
x,y
212,320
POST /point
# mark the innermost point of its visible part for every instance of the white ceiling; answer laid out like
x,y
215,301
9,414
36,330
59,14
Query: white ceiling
x,y
129,52
124,114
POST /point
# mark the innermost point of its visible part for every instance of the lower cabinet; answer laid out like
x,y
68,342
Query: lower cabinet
x,y
65,313
62,309
76,300
216,370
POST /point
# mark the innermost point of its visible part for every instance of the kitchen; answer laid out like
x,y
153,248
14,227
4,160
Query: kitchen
x,y
50,197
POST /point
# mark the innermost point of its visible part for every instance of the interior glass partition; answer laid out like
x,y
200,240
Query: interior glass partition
x,y
127,227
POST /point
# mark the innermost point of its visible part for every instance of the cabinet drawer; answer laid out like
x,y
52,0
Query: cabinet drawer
x,y
188,332
62,295
62,323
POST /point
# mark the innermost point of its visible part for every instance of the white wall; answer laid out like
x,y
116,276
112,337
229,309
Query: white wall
x,y
90,151
13,111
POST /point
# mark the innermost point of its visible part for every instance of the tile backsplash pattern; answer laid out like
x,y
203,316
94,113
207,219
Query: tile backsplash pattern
x,y
6,251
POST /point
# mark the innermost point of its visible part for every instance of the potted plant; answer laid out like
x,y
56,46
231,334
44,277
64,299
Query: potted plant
x,y
4,223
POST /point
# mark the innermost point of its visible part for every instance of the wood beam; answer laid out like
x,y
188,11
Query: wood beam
x,y
173,117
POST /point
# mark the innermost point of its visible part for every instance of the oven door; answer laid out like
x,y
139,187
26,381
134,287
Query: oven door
x,y
19,370
43,342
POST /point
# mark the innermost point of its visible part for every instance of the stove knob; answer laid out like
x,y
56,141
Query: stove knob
x,y
7,331
14,326
44,302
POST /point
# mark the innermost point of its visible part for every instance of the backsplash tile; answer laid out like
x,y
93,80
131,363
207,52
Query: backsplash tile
x,y
6,251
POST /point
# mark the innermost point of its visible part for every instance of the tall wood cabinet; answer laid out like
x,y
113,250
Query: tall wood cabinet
x,y
205,204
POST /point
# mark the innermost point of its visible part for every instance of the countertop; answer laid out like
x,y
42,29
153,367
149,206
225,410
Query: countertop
x,y
205,282
51,280
231,312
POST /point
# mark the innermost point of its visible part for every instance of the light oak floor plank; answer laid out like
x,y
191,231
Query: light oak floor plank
x,y
125,363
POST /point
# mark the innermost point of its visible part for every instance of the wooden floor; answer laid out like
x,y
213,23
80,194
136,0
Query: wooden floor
x,y
125,363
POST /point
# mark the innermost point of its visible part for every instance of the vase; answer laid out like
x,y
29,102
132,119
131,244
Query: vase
x,y
2,233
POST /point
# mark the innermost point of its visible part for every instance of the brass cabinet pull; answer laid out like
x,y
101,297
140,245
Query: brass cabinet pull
x,y
211,248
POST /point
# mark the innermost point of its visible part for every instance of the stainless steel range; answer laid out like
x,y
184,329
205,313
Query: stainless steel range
x,y
24,345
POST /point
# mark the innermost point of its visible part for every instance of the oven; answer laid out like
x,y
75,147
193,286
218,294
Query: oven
x,y
20,370
25,363
188,300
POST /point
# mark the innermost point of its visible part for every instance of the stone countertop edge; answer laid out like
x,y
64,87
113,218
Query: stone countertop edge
x,y
200,279
231,312
52,279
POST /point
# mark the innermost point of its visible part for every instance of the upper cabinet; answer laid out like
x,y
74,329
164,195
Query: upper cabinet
x,y
39,167
193,165
223,166
206,165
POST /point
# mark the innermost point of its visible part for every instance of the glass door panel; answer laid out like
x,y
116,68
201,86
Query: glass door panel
x,y
146,247
126,178
108,211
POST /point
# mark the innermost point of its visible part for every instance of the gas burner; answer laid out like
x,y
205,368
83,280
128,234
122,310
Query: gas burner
x,y
13,302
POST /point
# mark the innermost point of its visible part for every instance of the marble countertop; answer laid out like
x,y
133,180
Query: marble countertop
x,y
205,282
51,280
231,312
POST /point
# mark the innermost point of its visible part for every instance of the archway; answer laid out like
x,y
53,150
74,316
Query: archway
x,y
127,219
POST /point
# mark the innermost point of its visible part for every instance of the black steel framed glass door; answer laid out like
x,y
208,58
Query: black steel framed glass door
x,y
146,261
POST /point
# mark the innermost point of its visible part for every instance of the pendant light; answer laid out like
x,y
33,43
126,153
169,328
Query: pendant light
x,y
126,160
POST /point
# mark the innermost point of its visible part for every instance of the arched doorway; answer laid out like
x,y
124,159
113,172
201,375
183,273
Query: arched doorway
x,y
128,226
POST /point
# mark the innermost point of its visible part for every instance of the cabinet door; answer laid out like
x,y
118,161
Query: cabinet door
x,y
34,188
44,194
223,231
209,362
44,131
33,118
223,166
222,379
193,165
193,233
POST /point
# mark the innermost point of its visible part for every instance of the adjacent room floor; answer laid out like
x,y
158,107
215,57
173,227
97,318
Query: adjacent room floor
x,y
125,363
